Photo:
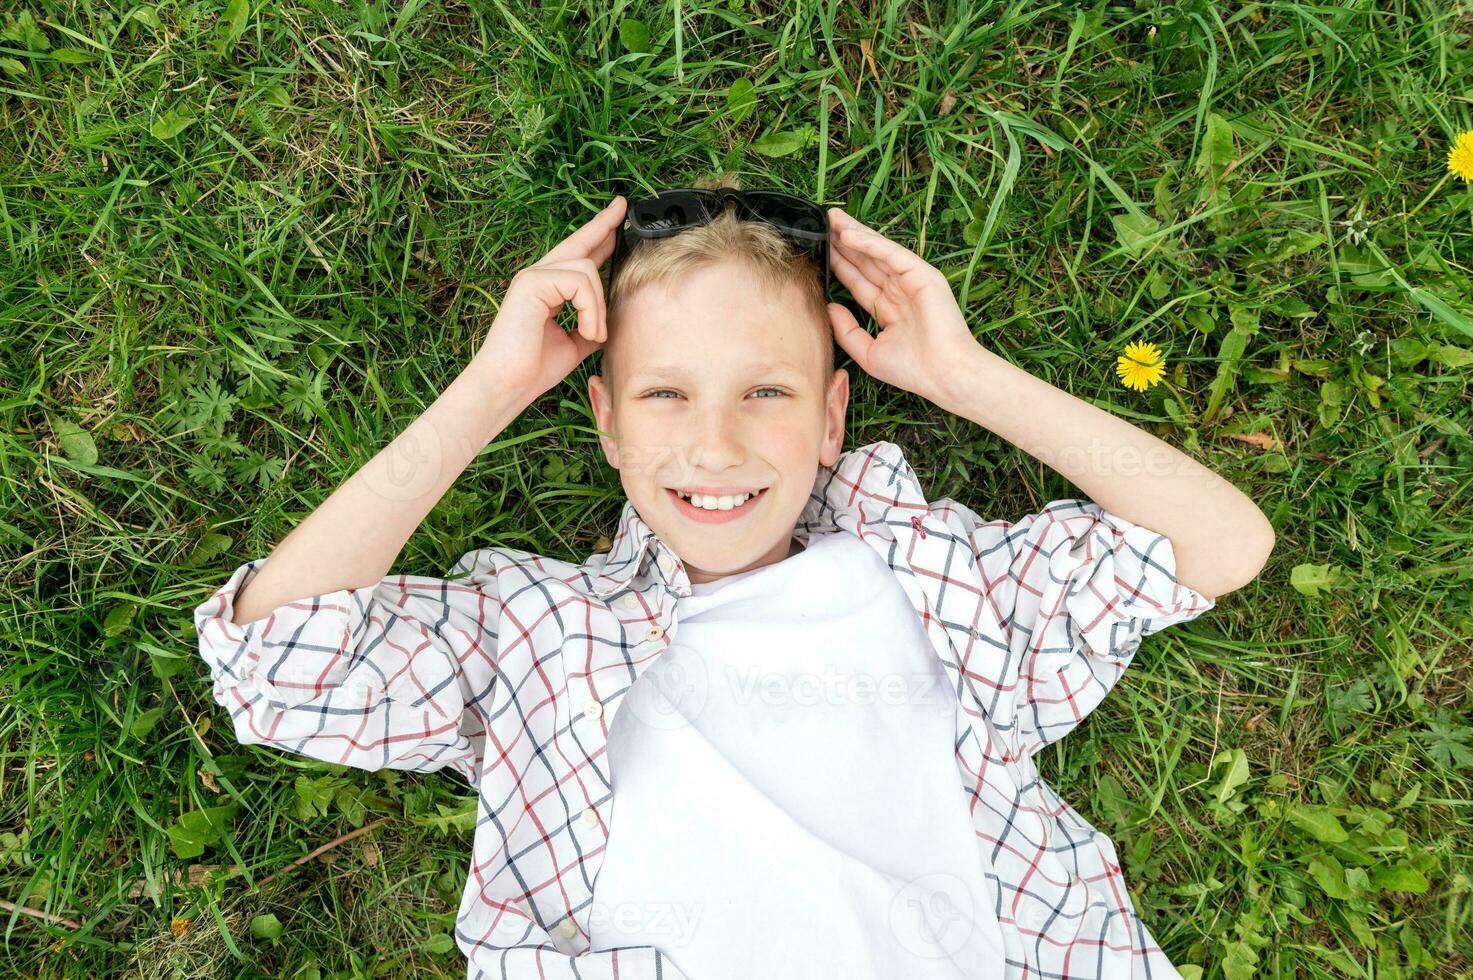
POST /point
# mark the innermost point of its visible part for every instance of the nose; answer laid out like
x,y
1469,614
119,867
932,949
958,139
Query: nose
x,y
717,445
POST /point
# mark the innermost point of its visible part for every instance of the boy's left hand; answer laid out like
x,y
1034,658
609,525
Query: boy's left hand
x,y
922,332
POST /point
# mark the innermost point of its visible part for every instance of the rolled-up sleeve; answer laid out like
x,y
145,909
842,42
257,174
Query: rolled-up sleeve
x,y
373,677
1076,588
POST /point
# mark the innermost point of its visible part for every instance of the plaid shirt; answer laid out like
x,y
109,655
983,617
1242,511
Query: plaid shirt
x,y
510,670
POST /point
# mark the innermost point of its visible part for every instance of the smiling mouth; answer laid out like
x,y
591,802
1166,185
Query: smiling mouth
x,y
711,504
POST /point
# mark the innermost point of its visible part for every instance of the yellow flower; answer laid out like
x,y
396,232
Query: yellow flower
x,y
1460,157
1140,366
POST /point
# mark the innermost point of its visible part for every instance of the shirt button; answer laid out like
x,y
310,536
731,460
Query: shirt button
x,y
590,818
655,633
592,709
666,563
567,928
630,601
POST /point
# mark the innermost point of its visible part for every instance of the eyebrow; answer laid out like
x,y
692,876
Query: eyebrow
x,y
674,372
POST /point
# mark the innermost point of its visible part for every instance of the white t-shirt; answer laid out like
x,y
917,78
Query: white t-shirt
x,y
786,795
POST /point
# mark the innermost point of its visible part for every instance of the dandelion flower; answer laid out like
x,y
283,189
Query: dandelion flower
x,y
1460,157
1357,226
1140,366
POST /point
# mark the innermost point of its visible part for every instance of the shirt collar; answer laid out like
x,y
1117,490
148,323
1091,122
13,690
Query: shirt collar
x,y
861,488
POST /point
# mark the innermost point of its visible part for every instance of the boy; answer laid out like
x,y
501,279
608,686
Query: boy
x,y
893,826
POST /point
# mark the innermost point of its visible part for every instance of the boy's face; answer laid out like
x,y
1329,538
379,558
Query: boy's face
x,y
719,386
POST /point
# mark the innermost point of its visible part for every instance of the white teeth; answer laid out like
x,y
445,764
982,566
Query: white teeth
x,y
724,502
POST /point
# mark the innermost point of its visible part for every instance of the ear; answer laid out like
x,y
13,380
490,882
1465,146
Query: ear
x,y
836,405
603,414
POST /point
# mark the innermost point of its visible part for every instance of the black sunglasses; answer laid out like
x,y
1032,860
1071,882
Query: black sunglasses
x,y
675,209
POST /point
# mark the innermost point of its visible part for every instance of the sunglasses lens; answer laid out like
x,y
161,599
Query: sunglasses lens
x,y
667,216
670,211
783,211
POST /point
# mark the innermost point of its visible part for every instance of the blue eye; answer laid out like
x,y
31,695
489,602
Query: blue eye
x,y
665,391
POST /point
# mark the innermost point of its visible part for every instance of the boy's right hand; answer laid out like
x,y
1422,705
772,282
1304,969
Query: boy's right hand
x,y
526,348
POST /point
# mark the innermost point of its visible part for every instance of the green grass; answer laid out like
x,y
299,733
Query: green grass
x,y
237,256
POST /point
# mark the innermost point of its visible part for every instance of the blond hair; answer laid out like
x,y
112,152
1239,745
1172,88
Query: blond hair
x,y
773,261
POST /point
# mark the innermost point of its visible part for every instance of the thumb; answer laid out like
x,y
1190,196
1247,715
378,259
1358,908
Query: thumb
x,y
582,344
853,338
562,352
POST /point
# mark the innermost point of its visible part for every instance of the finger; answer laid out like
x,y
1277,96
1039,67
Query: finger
x,y
859,236
583,345
891,256
862,261
853,338
865,290
605,248
841,221
593,236
554,286
841,240
554,342
589,268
